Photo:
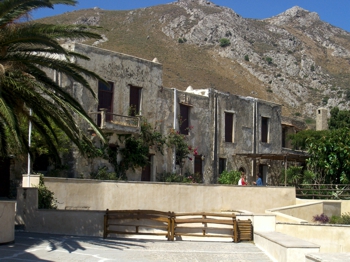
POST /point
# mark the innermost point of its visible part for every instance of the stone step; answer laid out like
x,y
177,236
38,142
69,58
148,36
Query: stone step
x,y
282,247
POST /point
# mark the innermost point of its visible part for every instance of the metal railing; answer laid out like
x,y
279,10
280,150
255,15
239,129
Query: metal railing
x,y
323,191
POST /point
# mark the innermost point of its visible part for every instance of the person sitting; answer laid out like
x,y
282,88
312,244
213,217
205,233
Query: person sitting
x,y
259,180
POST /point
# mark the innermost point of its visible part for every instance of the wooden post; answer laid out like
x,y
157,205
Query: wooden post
x,y
235,230
103,117
105,224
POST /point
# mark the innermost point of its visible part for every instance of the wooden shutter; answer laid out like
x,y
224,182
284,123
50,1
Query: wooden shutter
x,y
105,99
198,165
184,121
228,127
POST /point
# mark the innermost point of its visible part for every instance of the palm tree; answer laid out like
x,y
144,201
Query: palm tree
x,y
27,50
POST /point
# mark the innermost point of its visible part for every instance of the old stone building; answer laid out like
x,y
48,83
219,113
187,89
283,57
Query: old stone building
x,y
228,131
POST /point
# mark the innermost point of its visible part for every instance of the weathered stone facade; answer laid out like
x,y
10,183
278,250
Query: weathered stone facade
x,y
256,125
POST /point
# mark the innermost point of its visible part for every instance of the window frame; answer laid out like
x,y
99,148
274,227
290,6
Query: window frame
x,y
265,129
230,120
184,120
222,165
133,90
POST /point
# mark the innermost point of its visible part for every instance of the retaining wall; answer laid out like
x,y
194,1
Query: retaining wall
x,y
87,194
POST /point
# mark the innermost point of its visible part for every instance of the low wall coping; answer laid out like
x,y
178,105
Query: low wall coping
x,y
286,240
294,206
328,257
313,224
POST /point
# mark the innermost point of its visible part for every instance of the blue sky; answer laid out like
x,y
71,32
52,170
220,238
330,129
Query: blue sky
x,y
335,12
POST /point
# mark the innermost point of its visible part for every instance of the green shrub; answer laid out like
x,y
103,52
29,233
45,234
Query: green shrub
x,y
46,199
325,100
344,219
182,40
103,174
246,58
347,94
224,42
268,60
229,177
178,178
169,177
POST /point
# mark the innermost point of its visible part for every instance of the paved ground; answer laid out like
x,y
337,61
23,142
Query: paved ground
x,y
45,247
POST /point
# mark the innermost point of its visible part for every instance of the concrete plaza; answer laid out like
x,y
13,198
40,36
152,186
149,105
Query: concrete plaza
x,y
48,247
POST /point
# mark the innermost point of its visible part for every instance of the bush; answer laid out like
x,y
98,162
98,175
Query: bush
x,y
224,42
46,199
343,219
177,178
321,218
182,40
229,177
268,60
103,174
246,58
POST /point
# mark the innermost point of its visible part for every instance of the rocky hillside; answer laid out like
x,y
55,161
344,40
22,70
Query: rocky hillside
x,y
294,58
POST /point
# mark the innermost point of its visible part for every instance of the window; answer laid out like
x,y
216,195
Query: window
x,y
229,131
135,100
184,119
264,129
284,136
105,99
222,165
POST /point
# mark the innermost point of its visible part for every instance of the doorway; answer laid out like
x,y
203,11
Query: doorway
x,y
147,170
263,170
198,167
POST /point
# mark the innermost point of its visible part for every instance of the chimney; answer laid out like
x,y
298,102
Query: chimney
x,y
321,119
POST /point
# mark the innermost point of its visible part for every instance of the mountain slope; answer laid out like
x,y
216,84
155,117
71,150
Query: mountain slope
x,y
294,58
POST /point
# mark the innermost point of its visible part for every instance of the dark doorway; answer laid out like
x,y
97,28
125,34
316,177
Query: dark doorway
x,y
135,100
4,177
105,100
198,165
146,171
263,170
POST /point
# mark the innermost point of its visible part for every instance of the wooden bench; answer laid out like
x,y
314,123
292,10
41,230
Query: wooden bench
x,y
171,225
205,225
138,222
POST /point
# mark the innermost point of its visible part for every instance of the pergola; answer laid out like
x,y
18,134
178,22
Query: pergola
x,y
285,156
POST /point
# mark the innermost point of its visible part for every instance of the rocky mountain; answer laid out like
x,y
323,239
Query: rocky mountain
x,y
293,58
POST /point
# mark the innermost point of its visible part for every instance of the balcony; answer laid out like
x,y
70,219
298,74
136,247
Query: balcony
x,y
117,124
